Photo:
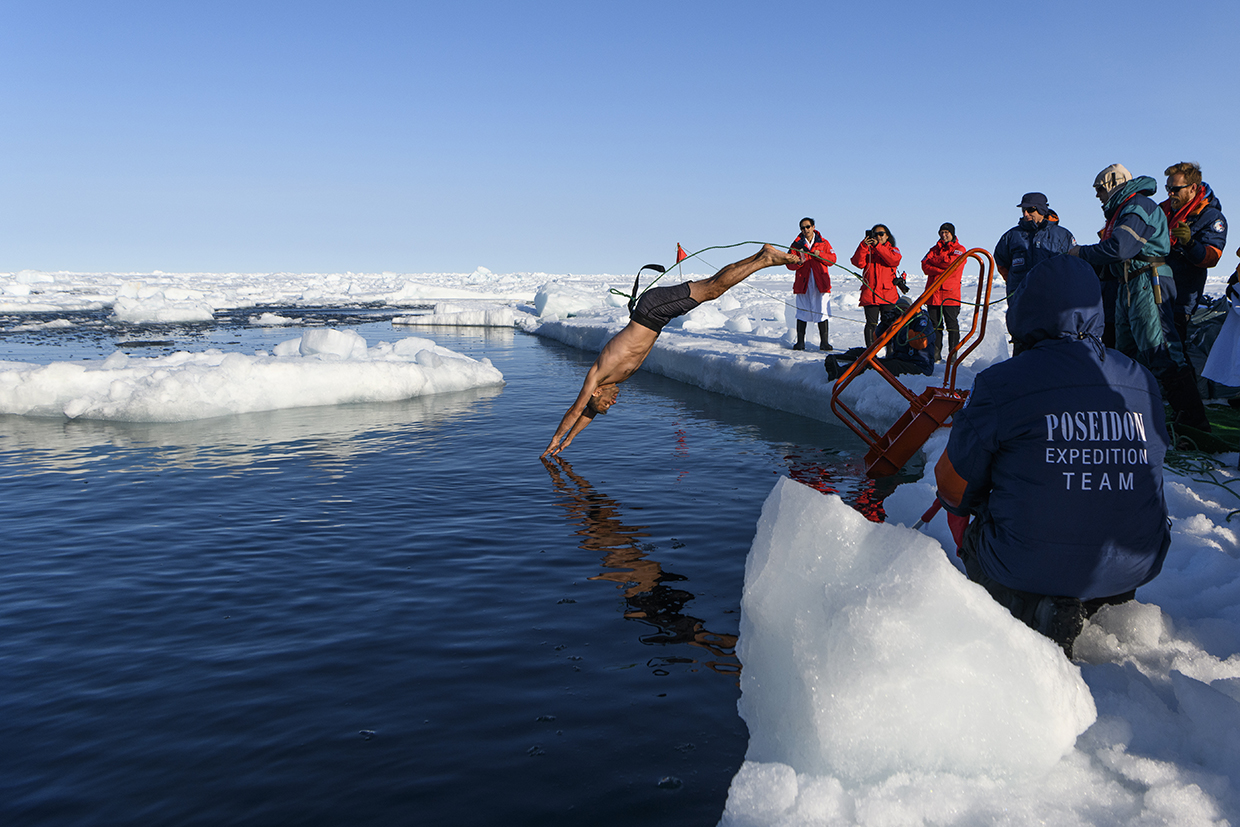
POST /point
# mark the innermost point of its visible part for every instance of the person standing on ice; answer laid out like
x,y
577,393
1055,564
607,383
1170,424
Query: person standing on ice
x,y
812,286
1057,456
1198,236
944,305
1132,254
624,353
1034,239
878,257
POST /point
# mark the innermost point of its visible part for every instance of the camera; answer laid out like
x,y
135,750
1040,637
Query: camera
x,y
870,234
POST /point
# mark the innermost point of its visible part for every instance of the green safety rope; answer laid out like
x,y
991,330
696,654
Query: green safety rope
x,y
663,271
1200,467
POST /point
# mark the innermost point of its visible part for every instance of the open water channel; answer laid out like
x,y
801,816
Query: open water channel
x,y
383,614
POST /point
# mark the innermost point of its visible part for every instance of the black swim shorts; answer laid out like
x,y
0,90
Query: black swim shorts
x,y
659,305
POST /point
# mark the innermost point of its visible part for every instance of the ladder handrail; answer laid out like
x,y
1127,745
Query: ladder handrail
x,y
870,358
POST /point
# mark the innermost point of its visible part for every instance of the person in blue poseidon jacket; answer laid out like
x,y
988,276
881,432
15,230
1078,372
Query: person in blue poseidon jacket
x,y
1030,242
1132,257
1058,456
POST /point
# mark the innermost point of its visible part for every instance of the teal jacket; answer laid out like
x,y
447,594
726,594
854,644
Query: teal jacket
x,y
1137,227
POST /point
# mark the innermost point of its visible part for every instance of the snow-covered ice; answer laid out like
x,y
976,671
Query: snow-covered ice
x,y
447,314
323,367
879,686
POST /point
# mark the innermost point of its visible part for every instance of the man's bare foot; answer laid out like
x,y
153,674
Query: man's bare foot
x,y
774,256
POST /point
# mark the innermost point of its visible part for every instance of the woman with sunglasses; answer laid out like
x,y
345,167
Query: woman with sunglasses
x,y
812,286
878,257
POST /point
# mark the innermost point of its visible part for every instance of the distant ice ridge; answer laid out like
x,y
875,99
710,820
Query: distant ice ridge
x,y
158,297
323,367
139,303
880,687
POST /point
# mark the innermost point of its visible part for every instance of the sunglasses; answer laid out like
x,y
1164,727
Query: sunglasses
x,y
880,232
807,226
1173,190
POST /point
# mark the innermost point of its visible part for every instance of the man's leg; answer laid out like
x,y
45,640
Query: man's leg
x,y
951,312
1058,618
736,272
1110,294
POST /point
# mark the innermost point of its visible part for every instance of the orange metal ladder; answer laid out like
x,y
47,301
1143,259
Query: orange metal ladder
x,y
928,411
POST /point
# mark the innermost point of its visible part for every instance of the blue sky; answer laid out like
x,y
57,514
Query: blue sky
x,y
577,137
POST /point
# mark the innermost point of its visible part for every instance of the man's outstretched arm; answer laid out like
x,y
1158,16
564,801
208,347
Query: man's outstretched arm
x,y
620,357
576,418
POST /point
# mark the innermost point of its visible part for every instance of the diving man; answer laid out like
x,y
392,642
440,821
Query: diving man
x,y
626,351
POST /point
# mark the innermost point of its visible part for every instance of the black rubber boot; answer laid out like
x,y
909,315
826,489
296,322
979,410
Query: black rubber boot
x,y
1185,399
824,341
1061,620
800,345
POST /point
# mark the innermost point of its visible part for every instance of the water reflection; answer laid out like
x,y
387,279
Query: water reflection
x,y
647,587
329,436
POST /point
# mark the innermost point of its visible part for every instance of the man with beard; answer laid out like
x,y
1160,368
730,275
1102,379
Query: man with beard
x,y
1198,235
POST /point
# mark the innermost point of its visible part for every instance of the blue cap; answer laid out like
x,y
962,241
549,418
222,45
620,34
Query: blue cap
x,y
1035,201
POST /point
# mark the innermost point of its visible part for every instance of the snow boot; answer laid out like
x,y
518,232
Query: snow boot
x,y
1060,619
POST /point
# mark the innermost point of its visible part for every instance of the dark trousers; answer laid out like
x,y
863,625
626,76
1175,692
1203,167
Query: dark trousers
x,y
1057,617
945,316
1110,291
878,316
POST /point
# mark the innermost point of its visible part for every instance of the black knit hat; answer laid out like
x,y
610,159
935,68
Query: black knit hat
x,y
947,225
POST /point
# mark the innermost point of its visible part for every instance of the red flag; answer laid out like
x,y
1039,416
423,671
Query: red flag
x,y
681,255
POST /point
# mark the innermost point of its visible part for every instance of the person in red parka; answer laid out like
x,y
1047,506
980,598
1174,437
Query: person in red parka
x,y
812,285
878,256
944,305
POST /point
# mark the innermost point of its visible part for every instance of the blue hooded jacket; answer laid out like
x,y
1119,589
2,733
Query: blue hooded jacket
x,y
1061,448
1028,244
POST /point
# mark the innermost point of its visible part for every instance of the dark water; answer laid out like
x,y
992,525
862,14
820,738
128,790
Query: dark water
x,y
383,614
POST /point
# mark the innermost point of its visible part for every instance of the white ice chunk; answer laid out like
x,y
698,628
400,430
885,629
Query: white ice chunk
x,y
449,315
560,301
701,318
185,386
271,320
140,303
34,277
867,654
330,342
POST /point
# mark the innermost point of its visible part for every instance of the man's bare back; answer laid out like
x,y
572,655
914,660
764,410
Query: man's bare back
x,y
626,351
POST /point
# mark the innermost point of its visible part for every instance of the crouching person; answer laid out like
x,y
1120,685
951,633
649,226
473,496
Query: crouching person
x,y
1057,456
911,351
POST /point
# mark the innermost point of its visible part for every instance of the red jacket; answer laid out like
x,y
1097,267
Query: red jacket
x,y
941,255
821,248
878,265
